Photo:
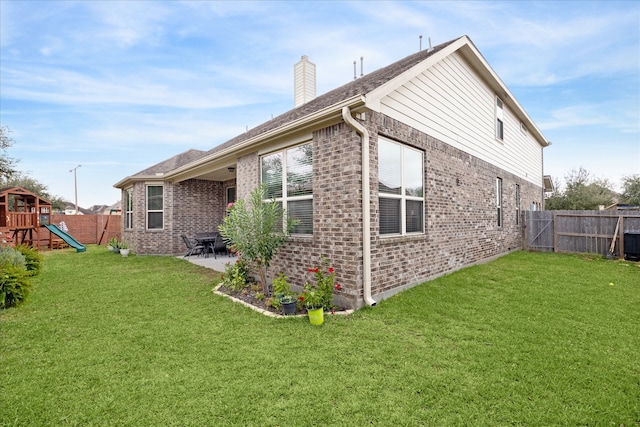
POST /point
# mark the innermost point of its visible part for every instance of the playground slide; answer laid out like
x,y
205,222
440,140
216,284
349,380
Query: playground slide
x,y
66,237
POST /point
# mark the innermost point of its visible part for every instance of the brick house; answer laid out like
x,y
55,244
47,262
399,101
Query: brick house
x,y
414,170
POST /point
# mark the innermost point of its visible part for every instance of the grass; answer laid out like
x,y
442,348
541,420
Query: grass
x,y
530,339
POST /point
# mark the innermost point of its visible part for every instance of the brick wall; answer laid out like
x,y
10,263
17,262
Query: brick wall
x,y
460,212
189,207
87,229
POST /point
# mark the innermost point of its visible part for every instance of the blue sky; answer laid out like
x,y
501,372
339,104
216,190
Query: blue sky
x,y
119,86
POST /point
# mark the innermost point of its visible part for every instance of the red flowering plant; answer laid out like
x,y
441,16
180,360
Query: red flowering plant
x,y
319,292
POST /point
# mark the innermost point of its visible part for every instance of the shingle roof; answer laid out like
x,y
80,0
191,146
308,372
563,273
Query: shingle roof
x,y
173,163
360,86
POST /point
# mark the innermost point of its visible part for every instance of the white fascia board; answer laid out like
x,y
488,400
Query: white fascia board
x,y
128,181
216,160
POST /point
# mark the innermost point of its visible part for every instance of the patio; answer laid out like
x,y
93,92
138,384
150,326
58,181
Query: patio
x,y
214,263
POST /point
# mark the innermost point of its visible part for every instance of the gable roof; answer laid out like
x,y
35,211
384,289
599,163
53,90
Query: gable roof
x,y
366,91
360,86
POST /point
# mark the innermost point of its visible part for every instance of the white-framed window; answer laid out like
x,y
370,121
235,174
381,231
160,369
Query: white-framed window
x,y
288,177
400,188
155,207
499,119
499,200
128,208
517,204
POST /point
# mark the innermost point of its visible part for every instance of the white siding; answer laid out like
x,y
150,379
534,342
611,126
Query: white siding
x,y
451,103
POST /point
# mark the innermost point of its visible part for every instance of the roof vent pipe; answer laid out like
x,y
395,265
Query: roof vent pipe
x,y
430,48
361,66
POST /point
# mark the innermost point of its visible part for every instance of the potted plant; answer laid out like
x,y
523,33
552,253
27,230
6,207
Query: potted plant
x,y
289,304
282,291
124,249
113,245
318,296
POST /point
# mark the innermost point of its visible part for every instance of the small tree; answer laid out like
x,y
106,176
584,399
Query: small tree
x,y
7,164
631,189
257,230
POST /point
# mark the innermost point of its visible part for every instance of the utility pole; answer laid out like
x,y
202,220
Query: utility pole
x,y
75,185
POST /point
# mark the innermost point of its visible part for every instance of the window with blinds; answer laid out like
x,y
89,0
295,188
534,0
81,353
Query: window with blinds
x,y
400,188
128,195
155,206
288,177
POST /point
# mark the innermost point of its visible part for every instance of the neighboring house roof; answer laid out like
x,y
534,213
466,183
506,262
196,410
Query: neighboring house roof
x,y
364,91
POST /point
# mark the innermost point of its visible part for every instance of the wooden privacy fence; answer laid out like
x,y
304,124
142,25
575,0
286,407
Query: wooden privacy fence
x,y
579,231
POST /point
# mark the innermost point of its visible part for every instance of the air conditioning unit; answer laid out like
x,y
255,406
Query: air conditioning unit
x,y
632,246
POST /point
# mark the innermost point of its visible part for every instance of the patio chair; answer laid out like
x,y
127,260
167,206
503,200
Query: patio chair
x,y
220,246
192,247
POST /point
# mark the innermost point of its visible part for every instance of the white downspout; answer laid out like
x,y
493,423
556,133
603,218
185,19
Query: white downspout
x,y
366,206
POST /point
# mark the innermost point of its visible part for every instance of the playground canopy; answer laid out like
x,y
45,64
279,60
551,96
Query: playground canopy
x,y
22,213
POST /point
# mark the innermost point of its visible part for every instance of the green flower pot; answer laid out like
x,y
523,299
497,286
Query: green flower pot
x,y
316,316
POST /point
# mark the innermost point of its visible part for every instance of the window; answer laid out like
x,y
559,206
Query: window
x,y
155,211
517,204
499,200
400,187
499,119
231,195
288,177
128,209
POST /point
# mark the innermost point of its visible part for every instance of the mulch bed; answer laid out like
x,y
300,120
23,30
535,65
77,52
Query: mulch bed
x,y
250,298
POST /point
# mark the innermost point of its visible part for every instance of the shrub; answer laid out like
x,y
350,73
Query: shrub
x,y
14,285
257,231
235,275
33,258
11,257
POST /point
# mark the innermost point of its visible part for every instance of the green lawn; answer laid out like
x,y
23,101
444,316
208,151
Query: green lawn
x,y
529,339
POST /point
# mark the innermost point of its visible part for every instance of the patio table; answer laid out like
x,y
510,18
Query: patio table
x,y
208,241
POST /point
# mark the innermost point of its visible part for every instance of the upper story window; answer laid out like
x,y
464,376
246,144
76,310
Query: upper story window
x,y
155,207
288,177
401,188
499,119
128,208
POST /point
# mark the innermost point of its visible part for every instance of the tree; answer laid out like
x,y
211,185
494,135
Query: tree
x,y
7,164
581,192
256,230
631,189
20,179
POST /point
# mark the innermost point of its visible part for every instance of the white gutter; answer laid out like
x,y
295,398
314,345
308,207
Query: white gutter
x,y
366,206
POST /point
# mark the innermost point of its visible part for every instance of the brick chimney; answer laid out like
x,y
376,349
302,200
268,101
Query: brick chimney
x,y
304,81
